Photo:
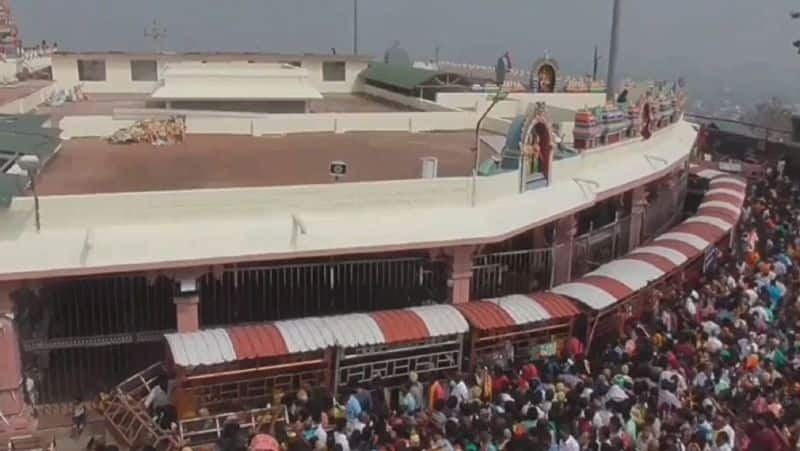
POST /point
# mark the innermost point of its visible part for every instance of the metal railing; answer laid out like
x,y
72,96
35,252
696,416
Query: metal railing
x,y
599,246
275,292
503,273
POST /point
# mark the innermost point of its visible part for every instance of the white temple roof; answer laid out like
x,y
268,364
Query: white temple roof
x,y
91,234
235,81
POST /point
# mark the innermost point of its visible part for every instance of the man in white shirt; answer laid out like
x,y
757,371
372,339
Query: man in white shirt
x,y
460,391
720,425
339,435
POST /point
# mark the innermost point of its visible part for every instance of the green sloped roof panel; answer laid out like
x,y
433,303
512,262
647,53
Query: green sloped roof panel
x,y
24,135
404,77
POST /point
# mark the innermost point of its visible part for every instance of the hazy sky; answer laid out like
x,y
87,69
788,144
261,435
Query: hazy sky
x,y
740,46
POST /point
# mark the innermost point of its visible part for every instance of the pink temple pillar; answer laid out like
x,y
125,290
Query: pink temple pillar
x,y
17,415
539,237
566,228
638,207
187,305
461,272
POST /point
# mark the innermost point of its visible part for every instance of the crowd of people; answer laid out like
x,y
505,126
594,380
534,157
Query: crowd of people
x,y
711,365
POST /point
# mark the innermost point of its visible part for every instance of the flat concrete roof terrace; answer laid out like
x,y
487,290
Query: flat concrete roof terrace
x,y
87,166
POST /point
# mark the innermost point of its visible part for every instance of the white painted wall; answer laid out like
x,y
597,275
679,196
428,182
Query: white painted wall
x,y
118,72
279,124
473,100
158,207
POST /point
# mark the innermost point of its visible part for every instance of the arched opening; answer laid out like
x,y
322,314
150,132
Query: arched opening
x,y
541,160
547,78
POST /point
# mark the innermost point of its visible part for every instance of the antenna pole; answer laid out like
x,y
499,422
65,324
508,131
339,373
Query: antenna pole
x,y
612,54
355,27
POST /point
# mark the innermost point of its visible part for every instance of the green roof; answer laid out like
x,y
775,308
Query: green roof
x,y
23,135
404,77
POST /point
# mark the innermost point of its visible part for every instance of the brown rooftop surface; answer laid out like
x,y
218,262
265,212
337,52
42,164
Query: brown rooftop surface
x,y
85,166
21,89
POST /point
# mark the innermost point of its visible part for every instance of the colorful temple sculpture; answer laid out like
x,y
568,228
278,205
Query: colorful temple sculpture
x,y
530,145
545,75
614,124
640,111
587,131
634,121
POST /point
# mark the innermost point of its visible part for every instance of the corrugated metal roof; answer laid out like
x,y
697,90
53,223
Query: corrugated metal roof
x,y
400,326
707,232
588,294
721,223
207,347
635,274
24,135
357,329
442,320
728,185
260,341
674,256
517,310
557,306
404,77
739,194
692,240
726,205
486,315
612,286
684,248
305,335
663,264
522,309
721,213
728,180
723,197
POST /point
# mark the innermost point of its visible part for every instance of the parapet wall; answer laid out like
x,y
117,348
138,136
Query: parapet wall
x,y
279,124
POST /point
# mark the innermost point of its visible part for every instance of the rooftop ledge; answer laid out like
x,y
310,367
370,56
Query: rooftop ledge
x,y
90,234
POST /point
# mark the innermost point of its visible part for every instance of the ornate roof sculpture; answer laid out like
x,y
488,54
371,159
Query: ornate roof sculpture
x,y
531,139
583,84
537,144
587,130
545,75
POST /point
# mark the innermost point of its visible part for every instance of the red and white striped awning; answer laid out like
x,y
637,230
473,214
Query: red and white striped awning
x,y
621,278
517,310
216,346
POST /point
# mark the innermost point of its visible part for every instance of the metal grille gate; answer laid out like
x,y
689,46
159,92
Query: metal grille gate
x,y
503,273
665,210
84,336
267,293
600,246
